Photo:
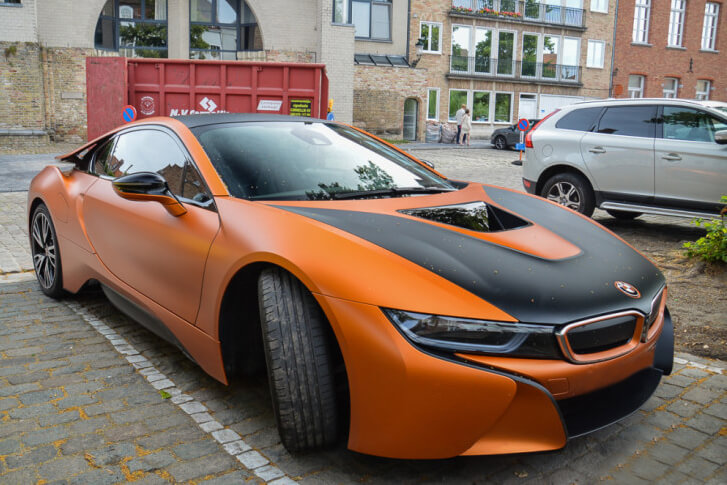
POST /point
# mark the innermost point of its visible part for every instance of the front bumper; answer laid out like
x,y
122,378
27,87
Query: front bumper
x,y
409,403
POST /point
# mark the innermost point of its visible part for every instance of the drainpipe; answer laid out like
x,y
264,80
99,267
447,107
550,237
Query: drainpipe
x,y
613,51
408,28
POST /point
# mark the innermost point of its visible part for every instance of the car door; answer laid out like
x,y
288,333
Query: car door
x,y
619,153
691,168
513,135
157,254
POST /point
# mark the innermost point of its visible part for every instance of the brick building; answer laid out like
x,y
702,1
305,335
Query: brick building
x,y
508,59
673,48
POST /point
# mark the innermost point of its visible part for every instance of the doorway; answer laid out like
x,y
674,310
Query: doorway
x,y
528,107
411,115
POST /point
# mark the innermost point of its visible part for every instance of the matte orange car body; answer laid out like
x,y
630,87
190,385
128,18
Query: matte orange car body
x,y
178,269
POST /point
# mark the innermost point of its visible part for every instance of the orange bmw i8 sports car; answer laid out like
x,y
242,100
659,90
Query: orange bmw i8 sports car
x,y
420,316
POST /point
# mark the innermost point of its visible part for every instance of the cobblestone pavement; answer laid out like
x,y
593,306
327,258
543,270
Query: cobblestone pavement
x,y
80,402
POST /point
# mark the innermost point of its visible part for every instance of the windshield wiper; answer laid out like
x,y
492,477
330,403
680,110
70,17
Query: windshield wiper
x,y
391,192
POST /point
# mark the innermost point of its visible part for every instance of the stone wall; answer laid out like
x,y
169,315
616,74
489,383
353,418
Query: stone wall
x,y
21,86
378,98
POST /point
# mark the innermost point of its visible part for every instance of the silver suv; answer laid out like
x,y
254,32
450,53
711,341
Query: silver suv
x,y
656,156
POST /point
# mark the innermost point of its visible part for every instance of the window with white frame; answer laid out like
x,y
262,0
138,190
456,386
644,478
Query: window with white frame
x,y
676,23
372,18
503,108
703,89
671,86
485,106
600,6
636,86
709,29
642,11
596,49
433,104
481,107
549,56
431,35
457,98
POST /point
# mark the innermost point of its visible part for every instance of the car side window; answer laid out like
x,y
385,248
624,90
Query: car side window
x,y
629,121
680,123
582,119
156,151
103,154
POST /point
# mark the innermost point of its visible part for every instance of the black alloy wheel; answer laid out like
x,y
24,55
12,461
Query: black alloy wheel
x,y
46,256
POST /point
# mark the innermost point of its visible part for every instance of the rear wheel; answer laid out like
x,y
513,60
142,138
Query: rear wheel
x,y
500,143
570,190
46,256
623,215
299,359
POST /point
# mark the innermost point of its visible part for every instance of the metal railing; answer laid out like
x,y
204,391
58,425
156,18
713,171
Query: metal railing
x,y
512,69
526,10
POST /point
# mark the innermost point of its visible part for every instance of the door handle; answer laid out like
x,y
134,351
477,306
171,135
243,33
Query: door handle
x,y
597,150
672,157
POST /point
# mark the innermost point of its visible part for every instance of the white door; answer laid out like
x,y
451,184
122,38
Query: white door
x,y
528,107
551,102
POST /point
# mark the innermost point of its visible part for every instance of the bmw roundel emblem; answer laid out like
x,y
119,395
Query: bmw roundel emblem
x,y
627,289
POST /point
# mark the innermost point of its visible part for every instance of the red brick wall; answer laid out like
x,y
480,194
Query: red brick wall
x,y
657,61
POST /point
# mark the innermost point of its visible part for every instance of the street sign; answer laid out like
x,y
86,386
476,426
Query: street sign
x,y
523,124
520,146
128,113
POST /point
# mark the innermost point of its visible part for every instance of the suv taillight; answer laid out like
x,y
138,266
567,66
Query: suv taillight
x,y
529,135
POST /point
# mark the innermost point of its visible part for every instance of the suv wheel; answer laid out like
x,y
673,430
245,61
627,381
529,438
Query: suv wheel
x,y
500,143
570,190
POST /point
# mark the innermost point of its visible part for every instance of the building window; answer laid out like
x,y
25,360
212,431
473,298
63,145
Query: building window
x,y
703,89
636,86
431,33
136,28
671,86
503,107
676,23
220,28
461,48
481,106
372,18
457,97
641,21
709,29
433,104
599,6
340,11
595,54
14,2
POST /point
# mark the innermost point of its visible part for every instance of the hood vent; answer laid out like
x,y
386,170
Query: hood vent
x,y
475,216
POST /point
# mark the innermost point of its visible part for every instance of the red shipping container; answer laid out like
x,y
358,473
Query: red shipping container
x,y
172,87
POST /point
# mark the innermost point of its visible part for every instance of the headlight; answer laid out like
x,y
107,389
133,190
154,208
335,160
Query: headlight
x,y
476,336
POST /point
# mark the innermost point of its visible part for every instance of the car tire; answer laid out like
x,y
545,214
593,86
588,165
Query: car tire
x,y
45,253
298,358
570,190
623,215
501,143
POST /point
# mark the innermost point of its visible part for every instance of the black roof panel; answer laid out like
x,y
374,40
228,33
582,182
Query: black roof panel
x,y
193,121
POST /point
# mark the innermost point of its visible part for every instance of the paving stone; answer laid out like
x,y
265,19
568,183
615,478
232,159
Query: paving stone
x,y
683,408
693,373
714,452
23,476
112,454
188,451
63,467
705,423
679,380
687,437
17,389
104,407
43,436
667,391
9,445
28,377
234,478
105,476
202,467
648,468
60,418
28,412
75,401
138,414
125,432
667,452
719,410
151,462
717,382
8,403
697,467
701,395
89,425
31,458
76,444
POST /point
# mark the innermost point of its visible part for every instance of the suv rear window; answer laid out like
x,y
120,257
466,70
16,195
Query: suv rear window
x,y
629,121
580,119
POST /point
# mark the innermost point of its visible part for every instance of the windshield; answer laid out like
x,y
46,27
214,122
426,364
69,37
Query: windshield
x,y
295,160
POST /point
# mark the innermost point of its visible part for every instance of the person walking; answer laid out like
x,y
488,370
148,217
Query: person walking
x,y
466,127
458,116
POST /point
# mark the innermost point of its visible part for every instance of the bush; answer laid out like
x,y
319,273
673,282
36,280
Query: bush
x,y
713,246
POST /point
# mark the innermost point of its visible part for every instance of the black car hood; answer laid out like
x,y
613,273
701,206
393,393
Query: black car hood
x,y
530,288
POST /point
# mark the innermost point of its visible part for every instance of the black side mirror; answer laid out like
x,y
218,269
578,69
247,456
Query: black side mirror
x,y
148,186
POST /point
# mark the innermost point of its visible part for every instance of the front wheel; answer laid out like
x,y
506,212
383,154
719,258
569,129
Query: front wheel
x,y
500,143
572,191
298,357
46,256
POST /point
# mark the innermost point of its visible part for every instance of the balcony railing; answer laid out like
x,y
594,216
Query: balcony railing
x,y
511,69
527,10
